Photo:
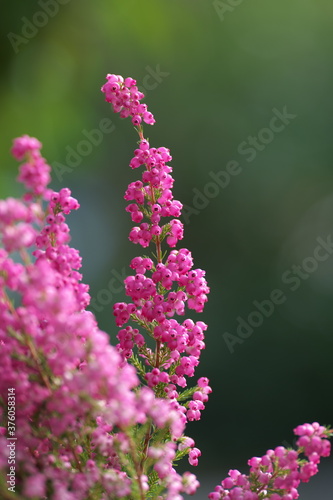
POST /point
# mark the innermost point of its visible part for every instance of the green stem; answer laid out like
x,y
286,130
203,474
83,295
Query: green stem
x,y
138,466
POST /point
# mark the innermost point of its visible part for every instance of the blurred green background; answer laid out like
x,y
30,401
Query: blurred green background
x,y
215,76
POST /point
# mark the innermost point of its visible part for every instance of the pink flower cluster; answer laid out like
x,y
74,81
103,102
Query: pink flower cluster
x,y
277,474
95,421
35,172
75,398
125,99
154,188
161,288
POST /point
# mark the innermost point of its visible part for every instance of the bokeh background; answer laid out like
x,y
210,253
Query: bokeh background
x,y
215,74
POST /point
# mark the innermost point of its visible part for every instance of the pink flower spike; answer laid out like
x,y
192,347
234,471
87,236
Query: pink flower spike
x,y
23,145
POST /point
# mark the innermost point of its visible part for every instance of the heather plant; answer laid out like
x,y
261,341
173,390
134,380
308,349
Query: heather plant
x,y
84,420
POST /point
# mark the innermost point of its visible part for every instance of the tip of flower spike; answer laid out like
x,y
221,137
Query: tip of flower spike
x,y
34,173
24,144
125,98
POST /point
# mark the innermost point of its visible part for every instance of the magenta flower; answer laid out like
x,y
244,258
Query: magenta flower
x,y
81,419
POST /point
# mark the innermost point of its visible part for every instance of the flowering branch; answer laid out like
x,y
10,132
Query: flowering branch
x,y
164,284
278,473
79,418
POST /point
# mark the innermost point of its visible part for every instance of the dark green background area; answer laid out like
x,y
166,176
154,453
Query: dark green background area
x,y
218,78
